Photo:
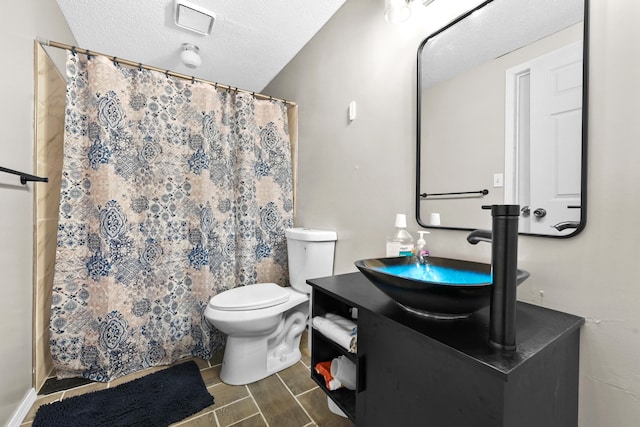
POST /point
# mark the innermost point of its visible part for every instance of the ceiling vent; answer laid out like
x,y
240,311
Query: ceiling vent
x,y
193,17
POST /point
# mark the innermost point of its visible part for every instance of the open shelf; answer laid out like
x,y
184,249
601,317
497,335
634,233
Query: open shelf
x,y
345,399
324,349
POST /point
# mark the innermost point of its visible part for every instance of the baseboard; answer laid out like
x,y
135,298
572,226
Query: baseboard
x,y
24,408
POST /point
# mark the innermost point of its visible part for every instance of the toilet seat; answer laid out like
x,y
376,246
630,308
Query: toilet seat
x,y
252,297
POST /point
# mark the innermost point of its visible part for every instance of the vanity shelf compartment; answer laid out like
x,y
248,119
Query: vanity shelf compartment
x,y
345,399
328,349
324,349
324,303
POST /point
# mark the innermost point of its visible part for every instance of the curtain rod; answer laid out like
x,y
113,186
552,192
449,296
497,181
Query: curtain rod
x,y
24,177
152,68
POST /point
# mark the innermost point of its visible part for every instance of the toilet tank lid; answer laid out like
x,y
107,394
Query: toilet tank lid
x,y
311,234
251,297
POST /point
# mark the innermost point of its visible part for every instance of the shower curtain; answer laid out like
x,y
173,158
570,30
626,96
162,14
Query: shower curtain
x,y
172,191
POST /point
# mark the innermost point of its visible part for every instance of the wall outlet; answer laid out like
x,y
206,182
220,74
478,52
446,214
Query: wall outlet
x,y
498,180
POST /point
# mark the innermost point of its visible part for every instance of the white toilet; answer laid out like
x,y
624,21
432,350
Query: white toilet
x,y
264,322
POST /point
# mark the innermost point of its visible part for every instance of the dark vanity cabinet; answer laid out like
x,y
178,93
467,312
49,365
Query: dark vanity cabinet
x,y
413,371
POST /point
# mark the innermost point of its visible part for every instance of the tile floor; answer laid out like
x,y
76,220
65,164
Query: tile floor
x,y
287,399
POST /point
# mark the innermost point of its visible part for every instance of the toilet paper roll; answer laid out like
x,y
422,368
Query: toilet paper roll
x,y
344,370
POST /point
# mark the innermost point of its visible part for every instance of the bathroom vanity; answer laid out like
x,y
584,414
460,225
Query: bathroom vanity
x,y
414,371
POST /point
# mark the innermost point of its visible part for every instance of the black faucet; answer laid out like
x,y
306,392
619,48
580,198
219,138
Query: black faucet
x,y
504,269
566,224
479,236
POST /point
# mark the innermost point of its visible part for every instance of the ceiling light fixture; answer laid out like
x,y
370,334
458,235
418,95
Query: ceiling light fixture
x,y
397,11
190,55
193,17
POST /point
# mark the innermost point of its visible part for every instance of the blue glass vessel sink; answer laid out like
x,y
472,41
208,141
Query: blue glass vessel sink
x,y
442,288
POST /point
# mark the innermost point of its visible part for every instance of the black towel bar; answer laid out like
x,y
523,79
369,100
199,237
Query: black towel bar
x,y
24,177
479,192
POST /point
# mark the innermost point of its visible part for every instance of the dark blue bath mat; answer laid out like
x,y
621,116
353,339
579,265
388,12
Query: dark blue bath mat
x,y
157,399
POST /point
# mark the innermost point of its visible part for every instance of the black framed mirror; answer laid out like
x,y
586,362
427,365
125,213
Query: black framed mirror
x,y
502,117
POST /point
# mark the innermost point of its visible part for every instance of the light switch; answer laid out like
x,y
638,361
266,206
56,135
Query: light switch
x,y
498,180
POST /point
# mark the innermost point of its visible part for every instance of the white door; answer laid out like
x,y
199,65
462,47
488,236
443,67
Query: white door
x,y
544,139
556,139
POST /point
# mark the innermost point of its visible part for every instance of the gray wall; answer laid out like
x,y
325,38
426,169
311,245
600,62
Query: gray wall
x,y
355,176
22,21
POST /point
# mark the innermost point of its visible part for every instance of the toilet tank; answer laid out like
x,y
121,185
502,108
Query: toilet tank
x,y
310,253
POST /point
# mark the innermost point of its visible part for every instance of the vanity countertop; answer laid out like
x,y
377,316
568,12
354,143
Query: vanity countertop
x,y
466,339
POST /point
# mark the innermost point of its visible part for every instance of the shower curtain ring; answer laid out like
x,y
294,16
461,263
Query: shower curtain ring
x,y
88,53
193,80
166,73
73,50
115,61
139,66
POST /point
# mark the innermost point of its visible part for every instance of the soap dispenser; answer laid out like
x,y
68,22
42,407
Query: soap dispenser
x,y
421,248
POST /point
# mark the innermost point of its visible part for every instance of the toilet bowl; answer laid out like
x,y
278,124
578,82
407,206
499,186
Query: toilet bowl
x,y
264,322
263,335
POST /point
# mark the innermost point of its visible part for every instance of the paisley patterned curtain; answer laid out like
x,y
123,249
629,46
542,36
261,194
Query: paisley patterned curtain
x,y
171,192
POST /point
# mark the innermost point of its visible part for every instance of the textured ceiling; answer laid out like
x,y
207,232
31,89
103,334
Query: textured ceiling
x,y
251,40
493,31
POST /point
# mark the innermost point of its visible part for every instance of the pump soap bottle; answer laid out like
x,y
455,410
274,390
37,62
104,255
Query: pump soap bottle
x,y
421,248
400,243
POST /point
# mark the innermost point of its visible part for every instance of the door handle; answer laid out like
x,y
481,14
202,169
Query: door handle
x,y
525,210
540,213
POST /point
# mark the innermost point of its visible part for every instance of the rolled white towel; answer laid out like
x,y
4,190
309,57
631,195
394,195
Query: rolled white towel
x,y
336,333
348,324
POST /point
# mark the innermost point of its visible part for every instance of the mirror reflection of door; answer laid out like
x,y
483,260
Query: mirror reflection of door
x,y
543,140
461,112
